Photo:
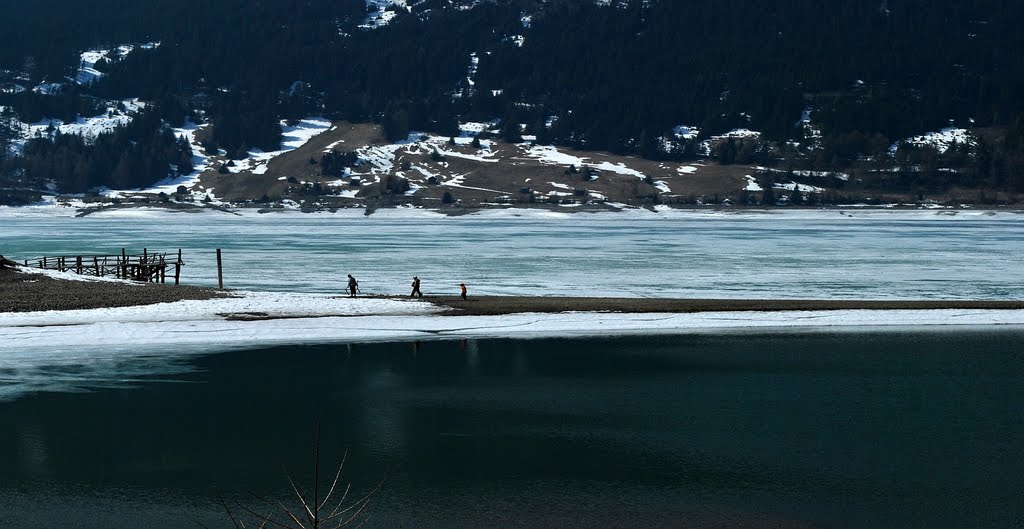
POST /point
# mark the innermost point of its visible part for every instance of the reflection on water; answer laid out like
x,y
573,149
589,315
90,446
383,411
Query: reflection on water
x,y
61,369
748,430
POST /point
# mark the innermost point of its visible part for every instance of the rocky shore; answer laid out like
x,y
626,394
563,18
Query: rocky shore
x,y
24,291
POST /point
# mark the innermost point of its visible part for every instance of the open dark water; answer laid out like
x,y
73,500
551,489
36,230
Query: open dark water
x,y
911,428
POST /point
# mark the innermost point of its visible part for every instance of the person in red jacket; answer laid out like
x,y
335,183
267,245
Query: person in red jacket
x,y
463,287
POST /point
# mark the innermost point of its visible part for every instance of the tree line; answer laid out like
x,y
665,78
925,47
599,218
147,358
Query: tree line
x,y
137,154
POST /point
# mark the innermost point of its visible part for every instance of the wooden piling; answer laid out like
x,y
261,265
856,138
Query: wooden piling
x,y
177,268
220,271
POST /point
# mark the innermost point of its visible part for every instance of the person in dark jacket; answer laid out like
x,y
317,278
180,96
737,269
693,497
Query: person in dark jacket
x,y
416,287
353,286
463,287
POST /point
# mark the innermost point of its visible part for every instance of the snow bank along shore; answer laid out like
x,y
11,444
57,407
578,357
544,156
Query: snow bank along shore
x,y
255,319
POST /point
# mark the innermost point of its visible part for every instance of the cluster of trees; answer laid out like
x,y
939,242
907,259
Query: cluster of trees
x,y
614,76
131,156
335,163
66,104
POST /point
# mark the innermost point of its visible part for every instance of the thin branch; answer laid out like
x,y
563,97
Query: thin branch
x,y
265,518
316,479
276,505
334,483
341,502
362,523
239,524
361,503
302,500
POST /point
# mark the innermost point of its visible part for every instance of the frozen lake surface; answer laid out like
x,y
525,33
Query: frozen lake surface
x,y
839,254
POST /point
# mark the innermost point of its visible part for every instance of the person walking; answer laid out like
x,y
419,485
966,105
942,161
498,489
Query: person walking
x,y
353,286
463,287
416,287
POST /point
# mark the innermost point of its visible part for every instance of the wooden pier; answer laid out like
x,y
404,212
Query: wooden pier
x,y
146,267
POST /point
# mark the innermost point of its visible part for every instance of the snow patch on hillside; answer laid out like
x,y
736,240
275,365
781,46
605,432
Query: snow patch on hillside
x,y
740,133
87,72
292,137
473,128
941,140
547,154
619,168
379,14
686,132
705,146
803,188
115,115
200,163
807,174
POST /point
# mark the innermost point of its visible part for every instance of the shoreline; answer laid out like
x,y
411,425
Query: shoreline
x,y
28,290
31,290
75,207
113,319
502,305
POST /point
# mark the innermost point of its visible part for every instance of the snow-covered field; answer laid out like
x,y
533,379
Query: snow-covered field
x,y
313,318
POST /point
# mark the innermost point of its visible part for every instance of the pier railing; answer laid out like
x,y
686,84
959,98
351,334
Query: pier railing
x,y
145,267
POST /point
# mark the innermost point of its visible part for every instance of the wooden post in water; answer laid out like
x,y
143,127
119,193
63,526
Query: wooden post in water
x,y
220,271
44,262
122,266
96,265
177,268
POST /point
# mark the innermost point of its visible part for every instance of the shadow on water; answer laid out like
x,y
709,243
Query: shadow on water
x,y
749,430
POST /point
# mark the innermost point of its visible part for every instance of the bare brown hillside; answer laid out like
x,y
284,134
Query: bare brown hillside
x,y
421,172
463,174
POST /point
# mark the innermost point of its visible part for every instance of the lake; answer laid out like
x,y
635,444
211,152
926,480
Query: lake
x,y
758,429
886,427
847,254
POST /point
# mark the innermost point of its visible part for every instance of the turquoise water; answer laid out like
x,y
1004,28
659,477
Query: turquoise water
x,y
857,429
815,254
